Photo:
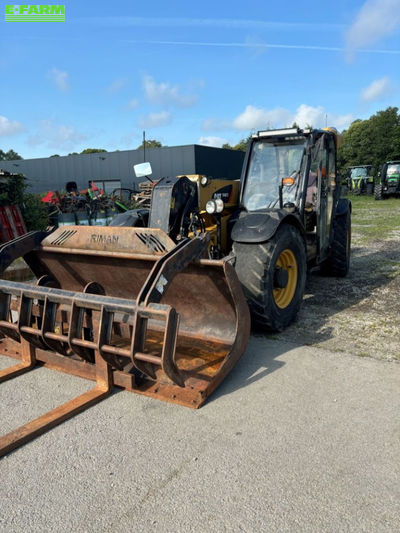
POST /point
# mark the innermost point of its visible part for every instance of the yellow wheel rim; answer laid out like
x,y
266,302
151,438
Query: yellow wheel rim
x,y
286,261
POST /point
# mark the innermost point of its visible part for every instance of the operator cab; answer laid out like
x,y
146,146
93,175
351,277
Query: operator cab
x,y
294,171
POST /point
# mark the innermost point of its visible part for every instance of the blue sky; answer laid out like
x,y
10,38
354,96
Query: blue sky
x,y
192,72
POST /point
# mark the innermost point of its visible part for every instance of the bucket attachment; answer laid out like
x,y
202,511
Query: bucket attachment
x,y
121,306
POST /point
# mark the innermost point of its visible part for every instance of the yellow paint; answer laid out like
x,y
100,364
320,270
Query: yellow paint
x,y
286,261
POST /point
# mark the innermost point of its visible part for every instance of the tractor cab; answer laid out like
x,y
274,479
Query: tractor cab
x,y
293,171
360,179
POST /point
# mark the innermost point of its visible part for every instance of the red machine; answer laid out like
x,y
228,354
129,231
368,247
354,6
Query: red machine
x,y
12,224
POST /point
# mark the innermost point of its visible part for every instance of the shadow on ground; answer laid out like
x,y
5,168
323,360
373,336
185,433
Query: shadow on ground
x,y
324,298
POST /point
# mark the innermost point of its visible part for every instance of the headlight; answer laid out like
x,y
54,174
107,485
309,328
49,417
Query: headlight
x,y
214,206
204,181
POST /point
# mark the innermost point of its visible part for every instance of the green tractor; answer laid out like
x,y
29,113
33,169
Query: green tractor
x,y
389,180
360,179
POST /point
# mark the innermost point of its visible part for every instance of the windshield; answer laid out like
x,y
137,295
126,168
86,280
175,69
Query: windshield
x,y
393,170
270,162
358,172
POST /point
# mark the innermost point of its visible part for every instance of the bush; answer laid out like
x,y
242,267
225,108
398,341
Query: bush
x,y
35,212
12,190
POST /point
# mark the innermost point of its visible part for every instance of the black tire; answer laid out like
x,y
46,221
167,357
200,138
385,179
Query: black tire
x,y
257,271
370,188
378,192
338,262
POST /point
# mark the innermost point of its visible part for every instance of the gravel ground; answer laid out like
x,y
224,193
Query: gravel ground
x,y
295,439
359,314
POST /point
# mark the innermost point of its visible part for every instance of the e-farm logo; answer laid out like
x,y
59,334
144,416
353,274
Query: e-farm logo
x,y
34,13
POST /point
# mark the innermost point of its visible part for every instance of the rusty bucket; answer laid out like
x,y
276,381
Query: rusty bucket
x,y
125,307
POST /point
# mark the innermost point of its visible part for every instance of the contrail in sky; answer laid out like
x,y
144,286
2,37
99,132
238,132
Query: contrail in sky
x,y
265,45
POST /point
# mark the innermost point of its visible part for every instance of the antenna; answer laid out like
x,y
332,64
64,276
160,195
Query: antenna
x,y
326,120
144,146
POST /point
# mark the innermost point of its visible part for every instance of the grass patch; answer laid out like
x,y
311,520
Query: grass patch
x,y
375,219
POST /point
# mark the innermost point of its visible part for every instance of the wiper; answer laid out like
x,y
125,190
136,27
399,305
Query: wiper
x,y
272,203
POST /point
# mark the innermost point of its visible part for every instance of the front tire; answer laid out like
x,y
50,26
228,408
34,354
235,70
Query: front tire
x,y
338,262
273,276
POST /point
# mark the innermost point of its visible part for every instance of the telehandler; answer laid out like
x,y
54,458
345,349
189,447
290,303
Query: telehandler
x,y
159,302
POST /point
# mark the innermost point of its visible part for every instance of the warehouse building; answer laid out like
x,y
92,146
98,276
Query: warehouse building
x,y
112,170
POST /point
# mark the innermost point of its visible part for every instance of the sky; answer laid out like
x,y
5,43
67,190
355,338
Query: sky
x,y
192,72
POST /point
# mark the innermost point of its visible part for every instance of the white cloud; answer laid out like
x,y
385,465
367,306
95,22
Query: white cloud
x,y
318,117
153,120
255,118
116,85
212,141
165,94
58,136
133,103
377,90
9,127
59,78
376,19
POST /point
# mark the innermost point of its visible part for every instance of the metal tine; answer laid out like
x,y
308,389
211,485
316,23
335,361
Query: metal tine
x,y
138,343
25,328
7,326
28,361
169,349
104,339
40,425
49,335
27,358
75,333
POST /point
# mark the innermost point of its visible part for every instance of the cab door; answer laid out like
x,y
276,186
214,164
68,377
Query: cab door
x,y
324,197
331,184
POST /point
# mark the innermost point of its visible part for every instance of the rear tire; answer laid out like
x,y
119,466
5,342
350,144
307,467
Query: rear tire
x,y
370,188
378,192
273,276
338,262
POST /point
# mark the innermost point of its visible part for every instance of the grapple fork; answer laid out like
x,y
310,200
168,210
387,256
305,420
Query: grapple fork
x,y
125,307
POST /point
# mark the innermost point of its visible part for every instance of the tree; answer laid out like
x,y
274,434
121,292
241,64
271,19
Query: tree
x,y
241,145
93,151
12,190
372,141
150,143
11,155
55,155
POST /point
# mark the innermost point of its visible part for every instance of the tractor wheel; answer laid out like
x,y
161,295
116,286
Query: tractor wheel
x,y
370,188
273,276
378,192
338,262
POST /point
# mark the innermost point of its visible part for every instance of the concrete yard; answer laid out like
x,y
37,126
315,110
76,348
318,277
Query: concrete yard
x,y
295,439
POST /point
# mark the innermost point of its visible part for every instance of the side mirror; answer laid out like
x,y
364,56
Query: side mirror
x,y
142,170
